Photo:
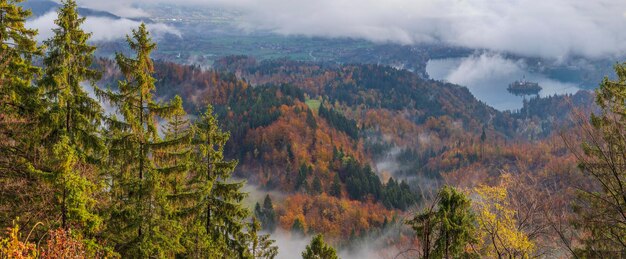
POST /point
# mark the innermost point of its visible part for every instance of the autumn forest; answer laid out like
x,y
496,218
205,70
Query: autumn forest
x,y
127,156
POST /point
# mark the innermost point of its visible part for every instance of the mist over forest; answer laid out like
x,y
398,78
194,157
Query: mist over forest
x,y
312,129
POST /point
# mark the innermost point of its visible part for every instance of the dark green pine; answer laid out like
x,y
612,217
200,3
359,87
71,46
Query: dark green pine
x,y
20,109
72,118
143,222
20,104
218,203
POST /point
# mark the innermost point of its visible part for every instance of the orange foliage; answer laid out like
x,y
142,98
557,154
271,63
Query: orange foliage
x,y
12,247
334,217
62,245
394,125
467,166
59,244
308,146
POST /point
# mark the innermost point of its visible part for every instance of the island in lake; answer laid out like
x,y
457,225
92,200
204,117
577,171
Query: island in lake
x,y
523,87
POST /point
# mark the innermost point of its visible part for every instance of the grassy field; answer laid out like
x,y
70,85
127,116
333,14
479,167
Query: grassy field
x,y
314,104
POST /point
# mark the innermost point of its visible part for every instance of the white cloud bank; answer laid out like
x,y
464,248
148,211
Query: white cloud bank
x,y
102,28
550,28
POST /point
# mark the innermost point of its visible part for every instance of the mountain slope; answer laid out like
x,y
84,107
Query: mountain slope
x,y
374,135
41,7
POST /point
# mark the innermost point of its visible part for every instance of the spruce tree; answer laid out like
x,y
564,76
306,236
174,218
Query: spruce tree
x,y
258,211
259,246
316,186
301,178
173,154
72,117
67,65
318,249
270,215
217,203
18,96
447,226
142,222
335,188
20,109
76,201
457,223
266,214
173,160
297,228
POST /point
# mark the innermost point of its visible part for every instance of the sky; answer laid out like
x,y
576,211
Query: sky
x,y
555,29
540,28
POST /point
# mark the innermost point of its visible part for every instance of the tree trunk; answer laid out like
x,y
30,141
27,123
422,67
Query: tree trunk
x,y
208,166
141,157
64,209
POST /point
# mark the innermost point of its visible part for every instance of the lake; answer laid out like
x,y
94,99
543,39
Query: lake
x,y
488,75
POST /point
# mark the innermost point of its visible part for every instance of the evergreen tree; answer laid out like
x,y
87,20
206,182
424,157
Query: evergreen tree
x,y
339,121
316,185
173,154
217,198
18,96
318,249
259,246
361,181
266,214
270,214
447,227
335,188
142,222
68,64
73,118
298,228
77,201
483,138
398,195
301,182
425,226
457,223
258,211
20,109
310,119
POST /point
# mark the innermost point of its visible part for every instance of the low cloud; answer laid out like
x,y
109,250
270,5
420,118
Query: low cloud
x,y
289,246
475,69
375,247
257,194
388,165
553,29
102,28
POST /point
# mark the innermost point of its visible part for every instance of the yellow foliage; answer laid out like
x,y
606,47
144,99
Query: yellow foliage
x,y
498,233
12,247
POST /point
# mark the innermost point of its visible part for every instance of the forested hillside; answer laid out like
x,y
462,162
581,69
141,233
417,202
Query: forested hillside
x,y
141,181
136,158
